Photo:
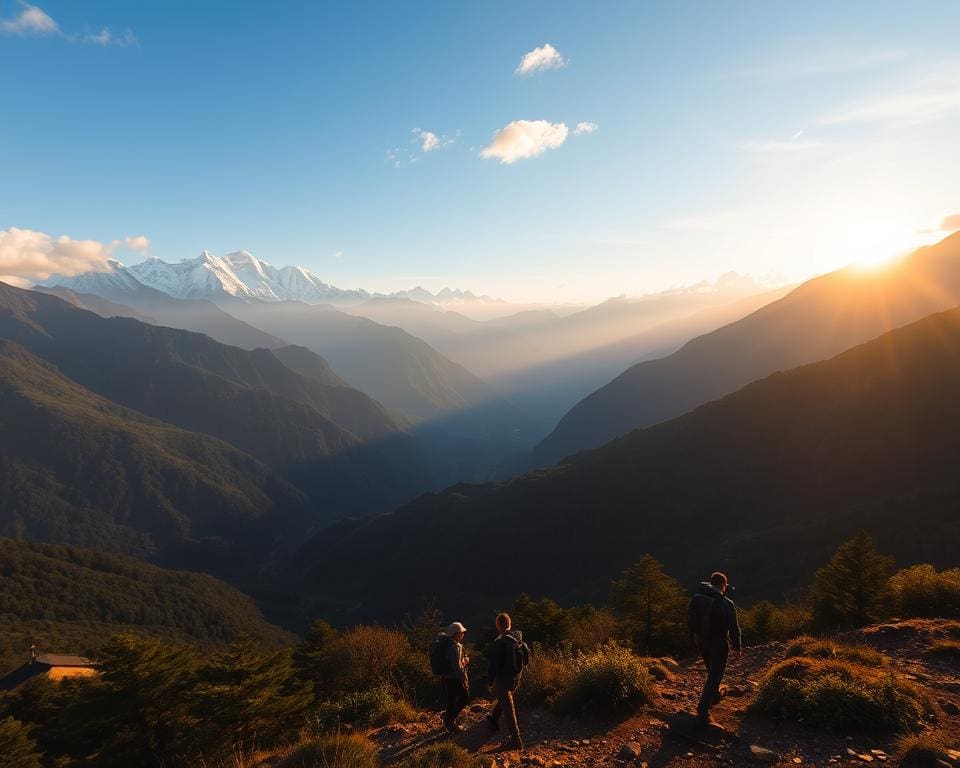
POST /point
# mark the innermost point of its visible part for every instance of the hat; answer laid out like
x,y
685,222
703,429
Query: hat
x,y
456,628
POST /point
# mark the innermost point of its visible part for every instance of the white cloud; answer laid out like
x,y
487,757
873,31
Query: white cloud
x,y
34,22
923,100
783,147
30,255
525,138
539,59
583,128
107,38
430,141
30,21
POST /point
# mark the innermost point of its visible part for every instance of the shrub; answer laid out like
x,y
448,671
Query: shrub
x,y
336,750
610,678
445,755
369,656
816,648
841,695
947,649
765,621
923,591
921,751
548,674
364,709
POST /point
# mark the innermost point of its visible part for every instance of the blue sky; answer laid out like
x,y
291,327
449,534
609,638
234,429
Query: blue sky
x,y
767,138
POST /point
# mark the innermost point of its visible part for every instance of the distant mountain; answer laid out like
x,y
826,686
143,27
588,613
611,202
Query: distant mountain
x,y
328,440
93,303
74,600
763,484
819,318
387,363
119,286
444,296
545,363
239,275
78,469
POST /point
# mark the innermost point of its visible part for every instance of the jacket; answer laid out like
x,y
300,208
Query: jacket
x,y
455,657
501,667
723,616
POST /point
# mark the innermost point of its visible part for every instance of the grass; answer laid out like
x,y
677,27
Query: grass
x,y
946,649
920,751
444,755
817,648
337,750
839,694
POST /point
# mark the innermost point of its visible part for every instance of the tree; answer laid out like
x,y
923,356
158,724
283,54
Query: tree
x,y
246,696
652,606
853,589
315,659
17,749
542,621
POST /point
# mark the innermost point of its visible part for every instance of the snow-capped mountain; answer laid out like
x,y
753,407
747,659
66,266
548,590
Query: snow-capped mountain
x,y
117,279
240,275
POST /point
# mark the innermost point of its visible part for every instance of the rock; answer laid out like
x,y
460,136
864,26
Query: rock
x,y
865,757
534,760
763,755
630,751
585,742
798,760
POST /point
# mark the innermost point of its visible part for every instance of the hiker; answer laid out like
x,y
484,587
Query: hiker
x,y
448,661
508,657
712,618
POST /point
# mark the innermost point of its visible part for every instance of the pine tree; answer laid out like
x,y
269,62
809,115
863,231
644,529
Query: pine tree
x,y
246,696
17,749
316,659
652,607
853,589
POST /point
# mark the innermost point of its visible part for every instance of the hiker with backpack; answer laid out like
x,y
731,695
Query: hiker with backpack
x,y
509,655
449,662
712,619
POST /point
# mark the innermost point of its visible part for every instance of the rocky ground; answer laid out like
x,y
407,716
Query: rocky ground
x,y
664,735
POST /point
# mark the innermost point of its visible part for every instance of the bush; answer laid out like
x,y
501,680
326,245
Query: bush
x,y
548,674
816,648
922,591
610,678
369,656
921,751
336,750
364,709
765,621
841,696
444,755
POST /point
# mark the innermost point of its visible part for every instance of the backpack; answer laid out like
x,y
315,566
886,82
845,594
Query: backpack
x,y
705,624
440,655
520,655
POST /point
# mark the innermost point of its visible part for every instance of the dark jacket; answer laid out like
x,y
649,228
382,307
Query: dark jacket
x,y
723,615
501,668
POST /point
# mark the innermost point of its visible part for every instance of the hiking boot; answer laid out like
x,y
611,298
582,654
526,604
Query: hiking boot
x,y
705,721
492,724
515,743
454,727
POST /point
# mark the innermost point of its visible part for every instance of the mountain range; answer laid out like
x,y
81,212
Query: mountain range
x,y
239,275
820,318
790,464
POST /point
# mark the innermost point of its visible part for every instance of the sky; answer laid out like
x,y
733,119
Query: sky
x,y
534,151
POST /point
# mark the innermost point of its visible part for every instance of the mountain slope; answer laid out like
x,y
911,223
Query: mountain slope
x,y
387,363
73,600
78,469
820,318
765,483
327,439
197,315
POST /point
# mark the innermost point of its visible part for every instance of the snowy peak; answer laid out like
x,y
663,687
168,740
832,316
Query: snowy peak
x,y
117,278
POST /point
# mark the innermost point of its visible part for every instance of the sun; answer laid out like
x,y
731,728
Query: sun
x,y
880,244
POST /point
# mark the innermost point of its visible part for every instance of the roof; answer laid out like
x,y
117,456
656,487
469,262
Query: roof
x,y
62,660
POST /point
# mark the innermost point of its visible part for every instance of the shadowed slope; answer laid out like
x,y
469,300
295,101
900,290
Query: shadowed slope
x,y
764,482
820,318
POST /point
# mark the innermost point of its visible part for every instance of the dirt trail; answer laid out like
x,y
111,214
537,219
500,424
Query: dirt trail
x,y
664,735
